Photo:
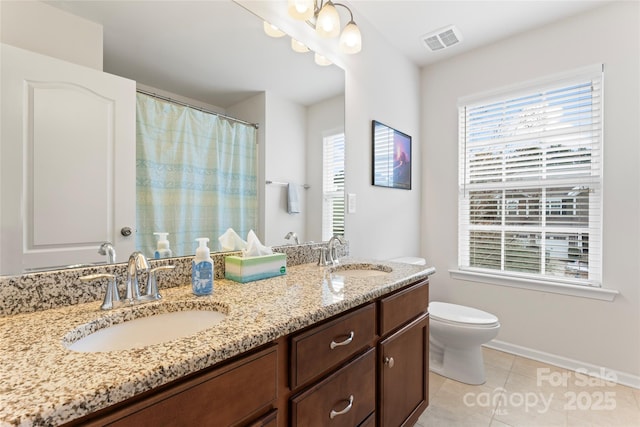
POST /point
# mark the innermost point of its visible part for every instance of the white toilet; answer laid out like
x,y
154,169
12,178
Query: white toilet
x,y
456,334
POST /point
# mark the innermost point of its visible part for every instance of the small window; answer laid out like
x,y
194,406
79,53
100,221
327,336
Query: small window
x,y
530,183
333,186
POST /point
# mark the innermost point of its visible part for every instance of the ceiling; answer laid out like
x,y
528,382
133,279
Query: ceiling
x,y
215,51
480,22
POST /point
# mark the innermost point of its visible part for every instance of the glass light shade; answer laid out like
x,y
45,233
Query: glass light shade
x,y
298,46
272,30
321,60
301,9
328,22
351,39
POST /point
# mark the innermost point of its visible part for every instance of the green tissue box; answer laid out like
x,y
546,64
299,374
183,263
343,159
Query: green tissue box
x,y
243,270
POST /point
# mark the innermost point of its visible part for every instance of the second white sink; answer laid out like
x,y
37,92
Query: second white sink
x,y
361,270
145,331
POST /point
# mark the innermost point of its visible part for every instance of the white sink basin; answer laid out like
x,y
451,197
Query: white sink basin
x,y
361,270
145,331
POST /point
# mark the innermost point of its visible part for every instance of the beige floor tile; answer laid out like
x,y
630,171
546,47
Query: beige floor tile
x,y
521,392
496,377
496,423
435,382
624,416
445,416
636,394
465,399
535,369
525,417
497,358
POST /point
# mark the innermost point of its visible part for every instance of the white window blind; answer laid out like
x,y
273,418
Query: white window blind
x,y
531,180
333,186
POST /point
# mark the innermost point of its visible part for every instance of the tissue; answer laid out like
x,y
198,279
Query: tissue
x,y
257,262
230,241
255,247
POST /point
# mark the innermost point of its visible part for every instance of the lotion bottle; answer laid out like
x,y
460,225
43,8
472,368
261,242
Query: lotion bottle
x,y
163,250
202,269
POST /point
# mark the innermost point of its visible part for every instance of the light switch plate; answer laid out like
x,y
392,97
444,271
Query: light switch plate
x,y
351,203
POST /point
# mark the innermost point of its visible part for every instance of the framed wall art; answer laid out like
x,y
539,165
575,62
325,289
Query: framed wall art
x,y
391,163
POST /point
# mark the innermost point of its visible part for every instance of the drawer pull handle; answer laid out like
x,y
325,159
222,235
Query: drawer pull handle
x,y
344,411
341,343
389,361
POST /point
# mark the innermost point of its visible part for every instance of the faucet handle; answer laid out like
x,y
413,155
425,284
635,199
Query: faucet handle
x,y
322,259
152,292
111,296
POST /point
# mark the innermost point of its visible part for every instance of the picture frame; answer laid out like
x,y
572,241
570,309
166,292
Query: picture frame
x,y
391,157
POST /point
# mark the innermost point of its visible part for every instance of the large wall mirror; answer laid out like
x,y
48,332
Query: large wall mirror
x,y
216,54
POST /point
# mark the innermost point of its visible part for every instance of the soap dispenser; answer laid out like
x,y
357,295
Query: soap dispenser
x,y
202,269
162,250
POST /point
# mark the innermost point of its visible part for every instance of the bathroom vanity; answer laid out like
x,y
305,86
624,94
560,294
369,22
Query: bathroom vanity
x,y
313,347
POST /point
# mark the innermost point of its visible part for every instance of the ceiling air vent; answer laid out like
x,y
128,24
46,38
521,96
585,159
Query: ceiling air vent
x,y
442,38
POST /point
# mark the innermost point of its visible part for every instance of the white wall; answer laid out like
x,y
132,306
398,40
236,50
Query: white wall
x,y
381,85
599,333
284,161
323,118
41,28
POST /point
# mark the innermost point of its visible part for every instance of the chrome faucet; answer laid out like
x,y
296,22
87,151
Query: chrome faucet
x,y
292,235
111,296
107,249
137,262
332,252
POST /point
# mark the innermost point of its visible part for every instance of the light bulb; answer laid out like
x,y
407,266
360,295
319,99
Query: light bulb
x,y
351,39
298,46
272,30
301,9
321,60
328,22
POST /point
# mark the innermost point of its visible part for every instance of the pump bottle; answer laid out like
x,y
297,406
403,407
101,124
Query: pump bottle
x,y
163,250
202,269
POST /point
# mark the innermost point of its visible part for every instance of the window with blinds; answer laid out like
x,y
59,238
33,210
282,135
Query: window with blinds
x,y
530,183
333,206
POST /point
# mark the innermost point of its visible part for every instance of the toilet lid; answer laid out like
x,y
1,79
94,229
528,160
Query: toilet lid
x,y
460,314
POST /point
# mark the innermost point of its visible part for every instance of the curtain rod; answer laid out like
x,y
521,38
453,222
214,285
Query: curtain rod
x,y
184,104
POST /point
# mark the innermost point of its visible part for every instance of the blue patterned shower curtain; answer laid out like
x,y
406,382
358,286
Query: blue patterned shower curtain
x,y
196,176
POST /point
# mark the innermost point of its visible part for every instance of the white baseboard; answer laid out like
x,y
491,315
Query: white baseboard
x,y
623,378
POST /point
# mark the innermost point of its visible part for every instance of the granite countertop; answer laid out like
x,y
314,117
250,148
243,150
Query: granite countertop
x,y
44,383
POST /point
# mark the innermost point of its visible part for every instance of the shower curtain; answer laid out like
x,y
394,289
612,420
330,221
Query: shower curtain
x,y
196,176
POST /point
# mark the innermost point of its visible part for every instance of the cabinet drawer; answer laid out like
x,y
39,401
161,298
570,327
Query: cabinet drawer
x,y
223,397
346,398
317,350
403,306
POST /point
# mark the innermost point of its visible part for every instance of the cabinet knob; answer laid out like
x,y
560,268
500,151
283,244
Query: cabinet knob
x,y
341,343
389,361
334,414
125,231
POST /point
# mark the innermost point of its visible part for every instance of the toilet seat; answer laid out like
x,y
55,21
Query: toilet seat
x,y
461,315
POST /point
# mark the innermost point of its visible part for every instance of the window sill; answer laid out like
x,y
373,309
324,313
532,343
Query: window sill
x,y
536,285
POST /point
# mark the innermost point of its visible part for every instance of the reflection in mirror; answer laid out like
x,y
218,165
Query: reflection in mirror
x,y
217,56
196,176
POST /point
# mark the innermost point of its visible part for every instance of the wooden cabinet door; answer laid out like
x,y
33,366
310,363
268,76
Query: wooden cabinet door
x,y
403,363
67,162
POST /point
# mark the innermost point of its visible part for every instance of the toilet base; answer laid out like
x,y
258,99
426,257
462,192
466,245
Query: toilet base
x,y
465,366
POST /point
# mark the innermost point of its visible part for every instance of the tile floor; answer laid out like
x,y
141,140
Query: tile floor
x,y
524,392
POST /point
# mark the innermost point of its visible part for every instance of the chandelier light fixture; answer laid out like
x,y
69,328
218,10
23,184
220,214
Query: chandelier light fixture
x,y
272,30
324,17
